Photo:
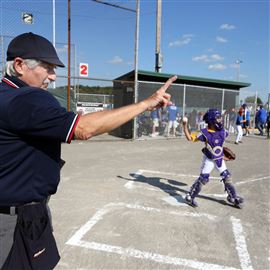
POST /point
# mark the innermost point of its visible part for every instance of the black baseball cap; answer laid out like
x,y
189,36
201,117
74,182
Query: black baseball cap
x,y
32,46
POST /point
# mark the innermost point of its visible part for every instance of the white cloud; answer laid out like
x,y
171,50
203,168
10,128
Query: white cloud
x,y
221,39
205,58
217,67
227,26
184,40
116,60
201,58
216,57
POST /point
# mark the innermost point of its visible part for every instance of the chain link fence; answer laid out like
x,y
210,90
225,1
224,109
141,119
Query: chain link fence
x,y
105,92
192,102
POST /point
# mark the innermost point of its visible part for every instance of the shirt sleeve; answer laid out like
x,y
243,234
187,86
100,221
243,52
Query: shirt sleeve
x,y
196,137
36,112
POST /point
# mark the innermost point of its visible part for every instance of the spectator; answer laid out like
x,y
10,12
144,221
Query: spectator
x,y
262,115
155,117
173,113
192,119
232,119
246,118
257,117
200,122
164,121
239,125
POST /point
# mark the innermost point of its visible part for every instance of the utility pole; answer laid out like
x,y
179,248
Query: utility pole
x,y
136,64
158,33
54,31
238,62
68,87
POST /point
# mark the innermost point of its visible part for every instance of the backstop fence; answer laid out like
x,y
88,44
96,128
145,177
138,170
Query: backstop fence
x,y
191,101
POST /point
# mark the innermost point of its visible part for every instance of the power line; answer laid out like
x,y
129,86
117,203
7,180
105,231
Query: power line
x,y
114,5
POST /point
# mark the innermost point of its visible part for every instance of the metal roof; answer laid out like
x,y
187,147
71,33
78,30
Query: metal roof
x,y
198,81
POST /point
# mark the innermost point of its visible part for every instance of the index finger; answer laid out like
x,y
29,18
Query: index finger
x,y
168,83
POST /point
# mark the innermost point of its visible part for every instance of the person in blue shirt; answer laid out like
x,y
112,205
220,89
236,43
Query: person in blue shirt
x,y
239,126
32,127
246,118
172,116
262,115
156,118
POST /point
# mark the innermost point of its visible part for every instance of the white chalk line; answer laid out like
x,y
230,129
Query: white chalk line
x,y
135,253
130,184
252,180
76,240
241,245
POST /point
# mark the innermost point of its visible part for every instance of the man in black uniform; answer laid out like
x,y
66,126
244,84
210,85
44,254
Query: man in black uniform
x,y
32,127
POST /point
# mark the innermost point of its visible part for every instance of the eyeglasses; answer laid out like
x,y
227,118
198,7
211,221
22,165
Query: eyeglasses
x,y
48,67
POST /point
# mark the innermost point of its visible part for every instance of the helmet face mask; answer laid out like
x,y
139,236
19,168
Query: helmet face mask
x,y
213,117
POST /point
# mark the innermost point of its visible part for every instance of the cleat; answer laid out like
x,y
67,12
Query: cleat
x,y
230,199
237,202
190,201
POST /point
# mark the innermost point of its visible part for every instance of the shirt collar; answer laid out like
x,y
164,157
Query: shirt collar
x,y
14,81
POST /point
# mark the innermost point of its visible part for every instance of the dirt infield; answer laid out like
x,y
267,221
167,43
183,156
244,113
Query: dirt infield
x,y
120,206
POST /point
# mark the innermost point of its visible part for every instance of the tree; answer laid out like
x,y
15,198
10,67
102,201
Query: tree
x,y
251,99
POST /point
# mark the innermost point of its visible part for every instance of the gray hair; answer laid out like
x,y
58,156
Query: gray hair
x,y
9,69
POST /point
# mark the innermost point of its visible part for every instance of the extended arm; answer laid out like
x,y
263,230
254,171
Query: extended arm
x,y
97,123
185,129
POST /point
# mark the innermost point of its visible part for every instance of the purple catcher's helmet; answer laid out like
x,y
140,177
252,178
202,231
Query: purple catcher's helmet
x,y
213,116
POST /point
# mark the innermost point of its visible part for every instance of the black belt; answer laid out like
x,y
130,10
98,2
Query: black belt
x,y
13,210
9,210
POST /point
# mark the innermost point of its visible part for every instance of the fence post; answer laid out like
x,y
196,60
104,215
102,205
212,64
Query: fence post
x,y
184,103
255,109
222,101
136,66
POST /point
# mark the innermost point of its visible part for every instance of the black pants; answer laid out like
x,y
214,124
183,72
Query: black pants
x,y
7,226
34,246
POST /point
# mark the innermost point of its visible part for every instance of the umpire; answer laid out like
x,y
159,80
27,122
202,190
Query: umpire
x,y
32,127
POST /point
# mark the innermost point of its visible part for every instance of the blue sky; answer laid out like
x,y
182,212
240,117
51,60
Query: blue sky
x,y
198,38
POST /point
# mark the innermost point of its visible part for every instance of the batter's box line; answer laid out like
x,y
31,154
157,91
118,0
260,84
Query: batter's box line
x,y
250,180
130,183
241,247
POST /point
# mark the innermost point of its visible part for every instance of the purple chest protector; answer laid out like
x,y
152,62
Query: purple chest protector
x,y
214,143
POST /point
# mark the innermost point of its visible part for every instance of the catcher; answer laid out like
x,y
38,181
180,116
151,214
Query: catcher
x,y
213,157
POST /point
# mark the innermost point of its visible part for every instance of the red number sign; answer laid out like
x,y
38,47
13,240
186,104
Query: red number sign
x,y
83,70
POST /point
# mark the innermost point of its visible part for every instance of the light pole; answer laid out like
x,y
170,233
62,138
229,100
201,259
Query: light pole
x,y
136,64
53,2
238,62
69,29
158,62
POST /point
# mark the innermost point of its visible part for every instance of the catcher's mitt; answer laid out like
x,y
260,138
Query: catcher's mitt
x,y
228,154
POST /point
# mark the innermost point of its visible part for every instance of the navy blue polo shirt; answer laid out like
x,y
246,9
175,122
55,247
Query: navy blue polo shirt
x,y
32,127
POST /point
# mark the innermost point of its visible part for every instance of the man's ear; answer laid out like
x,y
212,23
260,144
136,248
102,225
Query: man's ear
x,y
18,65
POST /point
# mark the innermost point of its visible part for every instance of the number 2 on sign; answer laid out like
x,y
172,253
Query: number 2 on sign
x,y
83,70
